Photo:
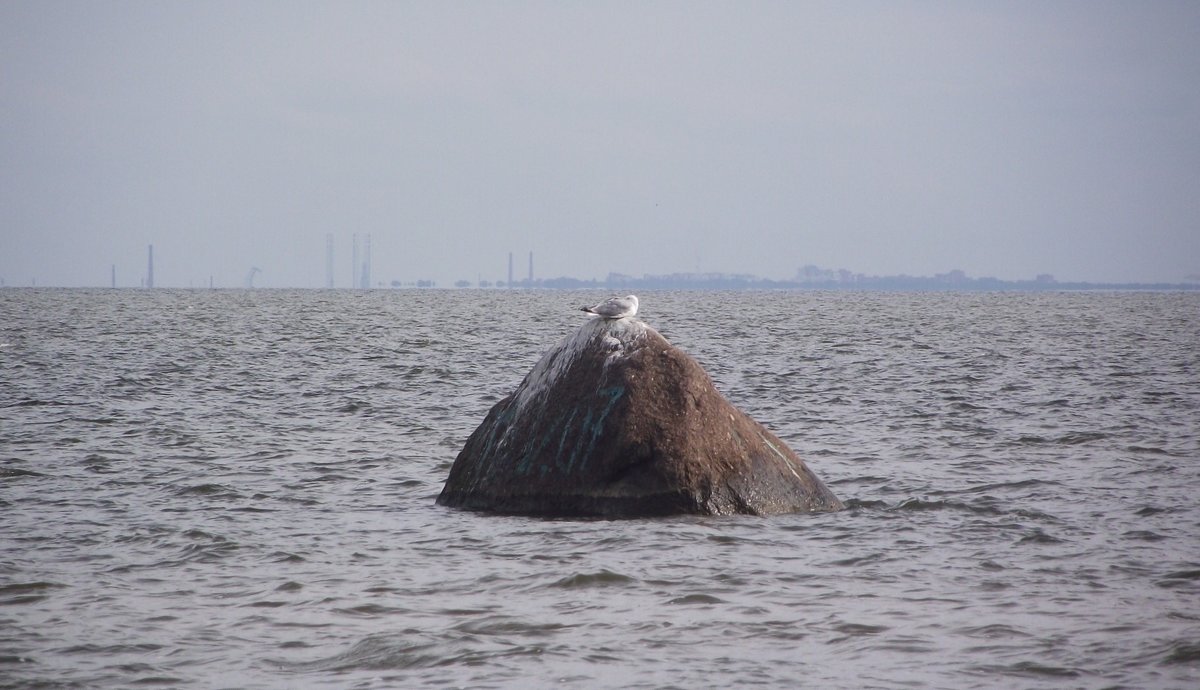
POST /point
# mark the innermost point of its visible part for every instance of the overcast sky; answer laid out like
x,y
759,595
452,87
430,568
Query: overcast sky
x,y
1001,138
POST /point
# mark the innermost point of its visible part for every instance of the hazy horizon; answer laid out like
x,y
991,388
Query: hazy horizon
x,y
498,279
1002,139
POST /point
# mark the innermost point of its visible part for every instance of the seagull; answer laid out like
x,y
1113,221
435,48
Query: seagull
x,y
614,307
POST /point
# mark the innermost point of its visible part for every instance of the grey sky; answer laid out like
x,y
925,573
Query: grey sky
x,y
1004,139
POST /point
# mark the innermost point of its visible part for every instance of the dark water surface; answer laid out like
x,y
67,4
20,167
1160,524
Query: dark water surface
x,y
236,489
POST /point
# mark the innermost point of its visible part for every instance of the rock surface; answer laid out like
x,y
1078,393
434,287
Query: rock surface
x,y
617,422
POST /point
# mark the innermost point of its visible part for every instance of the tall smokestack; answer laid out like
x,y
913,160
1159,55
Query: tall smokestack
x,y
530,269
150,269
354,263
509,283
114,275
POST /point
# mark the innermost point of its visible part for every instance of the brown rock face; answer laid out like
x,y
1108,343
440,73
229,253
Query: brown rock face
x,y
617,422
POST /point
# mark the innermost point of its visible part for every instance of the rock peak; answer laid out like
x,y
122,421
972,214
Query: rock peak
x,y
615,338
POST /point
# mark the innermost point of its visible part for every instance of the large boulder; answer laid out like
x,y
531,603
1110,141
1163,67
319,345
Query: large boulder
x,y
617,422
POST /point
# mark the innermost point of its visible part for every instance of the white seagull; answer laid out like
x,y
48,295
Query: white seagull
x,y
614,307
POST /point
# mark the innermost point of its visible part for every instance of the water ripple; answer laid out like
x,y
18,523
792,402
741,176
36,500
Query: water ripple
x,y
236,489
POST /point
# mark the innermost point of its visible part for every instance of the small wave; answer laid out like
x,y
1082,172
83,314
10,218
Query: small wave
x,y
964,406
696,599
603,578
919,505
207,490
369,610
991,631
865,479
411,649
1152,510
378,652
1030,669
25,592
1077,437
1123,374
465,612
860,628
1037,536
103,421
850,631
353,406
1143,535
113,649
1057,402
1148,450
1073,438
858,560
206,548
266,604
252,509
916,504
1179,578
506,625
1021,484
1183,652
34,402
1184,575
854,503
204,553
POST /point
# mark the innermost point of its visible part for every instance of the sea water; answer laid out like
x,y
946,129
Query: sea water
x,y
236,489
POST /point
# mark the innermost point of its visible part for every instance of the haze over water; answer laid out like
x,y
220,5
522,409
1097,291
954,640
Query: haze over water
x,y
236,489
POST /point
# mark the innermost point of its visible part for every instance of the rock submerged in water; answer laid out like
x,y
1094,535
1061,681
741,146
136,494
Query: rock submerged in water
x,y
617,422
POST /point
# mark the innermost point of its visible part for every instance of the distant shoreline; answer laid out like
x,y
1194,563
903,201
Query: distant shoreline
x,y
634,286
881,285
